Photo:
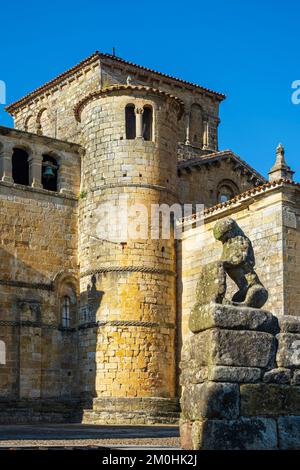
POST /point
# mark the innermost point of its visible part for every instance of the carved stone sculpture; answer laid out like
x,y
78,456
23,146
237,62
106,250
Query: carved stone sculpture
x,y
238,262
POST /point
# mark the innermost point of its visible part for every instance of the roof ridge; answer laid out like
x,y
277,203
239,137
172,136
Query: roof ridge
x,y
227,152
98,55
49,84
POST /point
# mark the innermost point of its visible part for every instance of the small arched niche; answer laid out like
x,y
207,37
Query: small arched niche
x,y
196,125
226,190
67,292
20,167
44,124
130,121
30,124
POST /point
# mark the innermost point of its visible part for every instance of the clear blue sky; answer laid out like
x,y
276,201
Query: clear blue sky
x,y
247,49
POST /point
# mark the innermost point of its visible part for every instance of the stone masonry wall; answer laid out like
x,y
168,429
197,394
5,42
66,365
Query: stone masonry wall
x,y
240,379
52,113
200,186
38,258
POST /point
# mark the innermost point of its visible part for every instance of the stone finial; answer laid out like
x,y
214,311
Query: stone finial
x,y
280,170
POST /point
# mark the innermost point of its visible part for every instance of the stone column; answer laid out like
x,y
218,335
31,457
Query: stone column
x,y
35,170
6,163
187,135
205,134
139,123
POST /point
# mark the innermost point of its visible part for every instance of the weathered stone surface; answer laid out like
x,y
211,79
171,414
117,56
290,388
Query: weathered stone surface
x,y
278,376
200,347
234,374
241,434
232,317
289,324
288,353
269,400
211,286
186,441
233,348
192,373
296,377
210,400
242,348
239,262
289,432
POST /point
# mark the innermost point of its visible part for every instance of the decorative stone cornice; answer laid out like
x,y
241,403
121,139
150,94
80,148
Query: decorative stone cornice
x,y
126,323
27,285
48,143
119,89
126,269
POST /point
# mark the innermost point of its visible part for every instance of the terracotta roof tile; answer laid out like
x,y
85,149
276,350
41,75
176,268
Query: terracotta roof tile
x,y
250,192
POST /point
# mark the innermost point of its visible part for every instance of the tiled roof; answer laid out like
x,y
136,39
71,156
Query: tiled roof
x,y
251,192
221,96
224,154
242,196
93,58
116,88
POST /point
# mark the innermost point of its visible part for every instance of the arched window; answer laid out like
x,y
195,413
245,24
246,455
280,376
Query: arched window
x,y
2,353
44,124
20,167
30,124
65,314
196,125
49,173
147,123
226,190
130,121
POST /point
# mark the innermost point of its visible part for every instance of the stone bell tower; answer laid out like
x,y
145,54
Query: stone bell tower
x,y
127,343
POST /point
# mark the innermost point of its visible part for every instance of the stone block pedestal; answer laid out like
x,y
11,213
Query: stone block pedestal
x,y
240,377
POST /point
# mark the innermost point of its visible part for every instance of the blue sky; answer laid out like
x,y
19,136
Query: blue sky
x,y
248,50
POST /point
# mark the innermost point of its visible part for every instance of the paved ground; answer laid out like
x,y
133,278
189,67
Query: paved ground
x,y
137,437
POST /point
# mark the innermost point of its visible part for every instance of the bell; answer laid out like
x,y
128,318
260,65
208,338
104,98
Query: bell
x,y
48,173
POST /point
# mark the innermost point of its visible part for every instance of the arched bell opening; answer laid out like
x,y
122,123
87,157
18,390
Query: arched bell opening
x,y
49,173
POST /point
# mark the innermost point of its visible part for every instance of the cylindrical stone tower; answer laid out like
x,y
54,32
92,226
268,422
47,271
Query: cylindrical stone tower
x,y
128,298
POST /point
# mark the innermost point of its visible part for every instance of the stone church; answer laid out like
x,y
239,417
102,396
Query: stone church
x,y
91,330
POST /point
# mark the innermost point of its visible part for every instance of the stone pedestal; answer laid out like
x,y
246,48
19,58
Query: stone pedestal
x,y
144,410
240,372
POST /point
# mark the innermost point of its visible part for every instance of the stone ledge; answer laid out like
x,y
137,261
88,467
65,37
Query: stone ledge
x,y
144,404
129,417
232,318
